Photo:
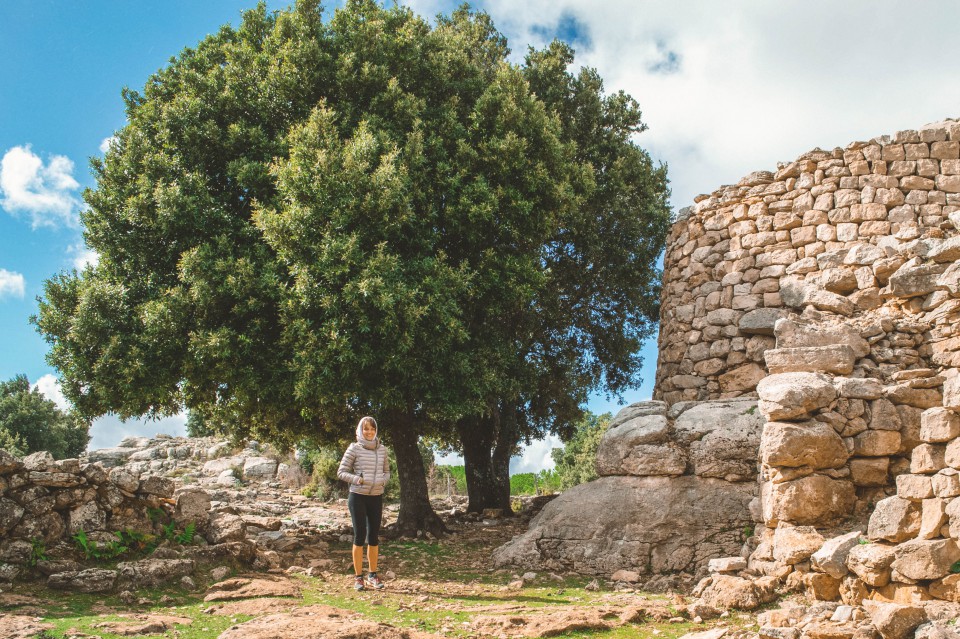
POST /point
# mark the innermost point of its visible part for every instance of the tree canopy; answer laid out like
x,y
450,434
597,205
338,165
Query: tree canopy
x,y
29,422
304,221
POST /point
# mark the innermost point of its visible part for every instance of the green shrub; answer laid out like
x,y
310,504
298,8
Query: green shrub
x,y
29,422
575,461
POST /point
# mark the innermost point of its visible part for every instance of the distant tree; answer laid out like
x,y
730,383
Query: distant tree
x,y
576,461
29,422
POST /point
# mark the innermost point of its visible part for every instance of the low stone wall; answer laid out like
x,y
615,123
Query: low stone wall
x,y
830,225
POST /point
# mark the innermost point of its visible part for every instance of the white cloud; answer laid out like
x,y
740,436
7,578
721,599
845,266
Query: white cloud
x,y
536,456
105,144
49,385
108,431
751,82
46,192
81,256
11,284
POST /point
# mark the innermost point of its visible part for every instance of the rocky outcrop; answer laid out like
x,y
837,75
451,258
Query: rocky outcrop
x,y
676,490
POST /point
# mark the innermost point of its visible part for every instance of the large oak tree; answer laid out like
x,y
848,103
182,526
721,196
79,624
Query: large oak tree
x,y
305,221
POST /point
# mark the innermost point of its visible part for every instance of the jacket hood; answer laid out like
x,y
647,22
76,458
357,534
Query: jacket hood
x,y
367,443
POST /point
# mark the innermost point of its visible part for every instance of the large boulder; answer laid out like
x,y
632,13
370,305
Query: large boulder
x,y
723,437
623,447
792,395
645,524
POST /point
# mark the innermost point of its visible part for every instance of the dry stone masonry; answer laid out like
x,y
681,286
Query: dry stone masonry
x,y
827,293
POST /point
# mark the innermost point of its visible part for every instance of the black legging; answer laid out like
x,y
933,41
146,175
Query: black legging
x,y
366,512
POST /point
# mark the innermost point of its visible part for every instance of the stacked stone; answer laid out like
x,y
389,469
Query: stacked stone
x,y
839,230
47,500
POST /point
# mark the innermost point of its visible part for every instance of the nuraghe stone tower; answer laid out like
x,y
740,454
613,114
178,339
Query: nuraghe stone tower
x,y
807,380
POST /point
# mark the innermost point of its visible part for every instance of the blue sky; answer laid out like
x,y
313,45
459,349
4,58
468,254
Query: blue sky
x,y
726,88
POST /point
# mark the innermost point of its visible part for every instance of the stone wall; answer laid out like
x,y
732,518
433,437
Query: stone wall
x,y
834,222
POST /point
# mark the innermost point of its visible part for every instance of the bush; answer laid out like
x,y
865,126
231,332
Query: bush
x,y
576,460
322,463
29,422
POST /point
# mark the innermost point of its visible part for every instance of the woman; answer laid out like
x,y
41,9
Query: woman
x,y
365,467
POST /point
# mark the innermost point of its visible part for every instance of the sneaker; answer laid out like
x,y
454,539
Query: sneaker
x,y
374,581
358,583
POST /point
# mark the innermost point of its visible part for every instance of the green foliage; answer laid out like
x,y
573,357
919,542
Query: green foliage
x,y
29,422
38,552
575,461
185,537
92,550
458,476
955,567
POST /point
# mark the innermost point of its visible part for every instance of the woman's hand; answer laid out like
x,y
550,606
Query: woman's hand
x,y
360,481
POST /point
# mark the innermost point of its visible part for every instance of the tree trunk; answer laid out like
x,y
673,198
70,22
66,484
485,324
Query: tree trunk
x,y
488,476
416,513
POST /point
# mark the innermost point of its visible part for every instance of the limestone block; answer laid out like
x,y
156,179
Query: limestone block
x,y
838,280
727,564
88,517
795,544
791,395
727,592
811,444
259,468
125,479
621,441
933,517
894,621
831,558
951,392
894,519
938,425
760,321
922,559
723,438
928,459
858,387
822,587
876,443
157,485
812,500
946,483
871,563
870,471
914,278
916,397
742,378
192,505
836,359
947,588
914,487
795,334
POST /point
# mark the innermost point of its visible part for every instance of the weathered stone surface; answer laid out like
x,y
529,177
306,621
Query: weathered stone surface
x,y
858,387
10,514
822,587
894,621
835,359
870,471
89,580
727,564
125,479
593,528
811,443
259,468
894,519
728,591
795,544
322,622
225,527
951,392
791,333
192,505
242,588
87,517
759,321
791,395
939,425
157,485
928,458
214,467
618,447
871,563
947,588
914,487
915,278
815,499
742,378
110,457
148,573
926,559
946,483
876,443
723,438
831,558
